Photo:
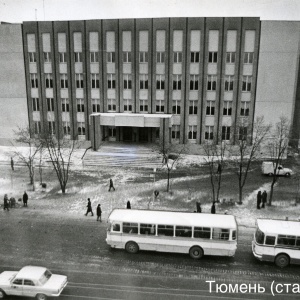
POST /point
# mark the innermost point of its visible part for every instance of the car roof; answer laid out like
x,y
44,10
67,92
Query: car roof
x,y
31,272
269,226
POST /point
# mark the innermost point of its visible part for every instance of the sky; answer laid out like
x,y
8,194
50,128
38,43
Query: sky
x,y
17,11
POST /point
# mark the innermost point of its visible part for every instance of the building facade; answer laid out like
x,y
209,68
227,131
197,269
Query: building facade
x,y
183,80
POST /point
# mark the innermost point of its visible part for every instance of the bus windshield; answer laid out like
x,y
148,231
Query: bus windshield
x,y
259,236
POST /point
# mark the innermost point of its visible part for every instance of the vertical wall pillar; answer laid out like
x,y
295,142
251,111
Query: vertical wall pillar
x,y
96,134
164,131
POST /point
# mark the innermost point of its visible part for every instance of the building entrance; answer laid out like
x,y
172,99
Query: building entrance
x,y
127,134
143,134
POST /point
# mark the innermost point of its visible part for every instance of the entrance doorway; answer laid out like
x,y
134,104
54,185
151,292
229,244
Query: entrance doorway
x,y
143,134
127,134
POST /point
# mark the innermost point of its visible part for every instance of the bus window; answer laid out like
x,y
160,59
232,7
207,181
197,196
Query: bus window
x,y
270,240
130,228
202,232
184,231
298,241
167,230
288,240
233,234
116,227
147,229
220,234
259,237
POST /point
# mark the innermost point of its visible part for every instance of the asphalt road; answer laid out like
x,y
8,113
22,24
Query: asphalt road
x,y
77,248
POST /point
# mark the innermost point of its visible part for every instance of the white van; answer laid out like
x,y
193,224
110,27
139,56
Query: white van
x,y
268,167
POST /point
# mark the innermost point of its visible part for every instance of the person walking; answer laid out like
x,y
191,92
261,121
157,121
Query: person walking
x,y
111,185
128,206
12,163
25,198
213,208
198,207
89,207
99,212
264,199
5,207
258,199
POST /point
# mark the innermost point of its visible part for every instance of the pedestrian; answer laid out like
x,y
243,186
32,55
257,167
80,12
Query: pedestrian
x,y
213,208
99,212
264,199
12,163
219,171
128,205
89,207
258,202
198,207
25,198
5,203
111,185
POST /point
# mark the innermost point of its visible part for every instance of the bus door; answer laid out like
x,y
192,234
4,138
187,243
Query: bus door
x,y
269,248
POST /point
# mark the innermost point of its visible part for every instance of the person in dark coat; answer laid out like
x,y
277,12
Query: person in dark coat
x,y
99,212
12,163
264,199
213,208
111,185
89,207
25,198
128,205
5,206
258,199
198,207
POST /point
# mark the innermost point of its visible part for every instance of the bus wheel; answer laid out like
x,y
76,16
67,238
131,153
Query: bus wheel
x,y
132,247
282,260
196,252
270,174
287,175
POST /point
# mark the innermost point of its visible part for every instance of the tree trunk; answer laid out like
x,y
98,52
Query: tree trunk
x,y
168,182
240,194
271,193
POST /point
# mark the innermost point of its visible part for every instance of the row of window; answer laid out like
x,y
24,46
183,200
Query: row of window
x,y
65,124
143,82
143,57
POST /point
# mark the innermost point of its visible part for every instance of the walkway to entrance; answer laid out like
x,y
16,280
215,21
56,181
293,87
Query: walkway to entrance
x,y
119,154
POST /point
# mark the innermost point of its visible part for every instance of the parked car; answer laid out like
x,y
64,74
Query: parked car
x,y
32,281
268,167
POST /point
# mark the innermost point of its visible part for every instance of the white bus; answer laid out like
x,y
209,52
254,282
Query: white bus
x,y
277,241
168,231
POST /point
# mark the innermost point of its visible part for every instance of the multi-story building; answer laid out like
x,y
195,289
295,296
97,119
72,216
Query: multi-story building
x,y
184,80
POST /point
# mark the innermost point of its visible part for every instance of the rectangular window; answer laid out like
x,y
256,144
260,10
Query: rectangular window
x,y
64,81
209,133
194,82
160,106
37,127
51,127
95,81
48,81
210,108
111,105
230,57
111,57
176,107
243,133
202,232
176,132
245,108
94,57
62,57
211,82
127,105
32,57
165,230
35,104
66,128
79,81
80,105
34,80
160,57
143,105
112,131
47,57
286,240
81,128
50,104
183,231
177,82
96,105
78,57
127,81
213,57
143,82
270,240
111,81
65,105
195,57
220,234
227,108
248,57
160,82
130,228
193,107
192,134
177,57
147,229
143,57
126,57
225,133
229,83
247,80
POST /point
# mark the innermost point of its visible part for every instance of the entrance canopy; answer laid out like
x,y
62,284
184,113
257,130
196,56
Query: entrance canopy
x,y
132,119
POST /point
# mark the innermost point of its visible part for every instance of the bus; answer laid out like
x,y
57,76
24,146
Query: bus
x,y
277,241
196,234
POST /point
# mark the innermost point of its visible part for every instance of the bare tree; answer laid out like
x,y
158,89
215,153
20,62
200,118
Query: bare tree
x,y
60,152
277,145
247,149
25,136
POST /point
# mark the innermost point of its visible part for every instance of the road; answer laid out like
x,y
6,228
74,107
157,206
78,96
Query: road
x,y
77,248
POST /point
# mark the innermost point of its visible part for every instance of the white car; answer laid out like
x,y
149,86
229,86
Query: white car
x,y
32,281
